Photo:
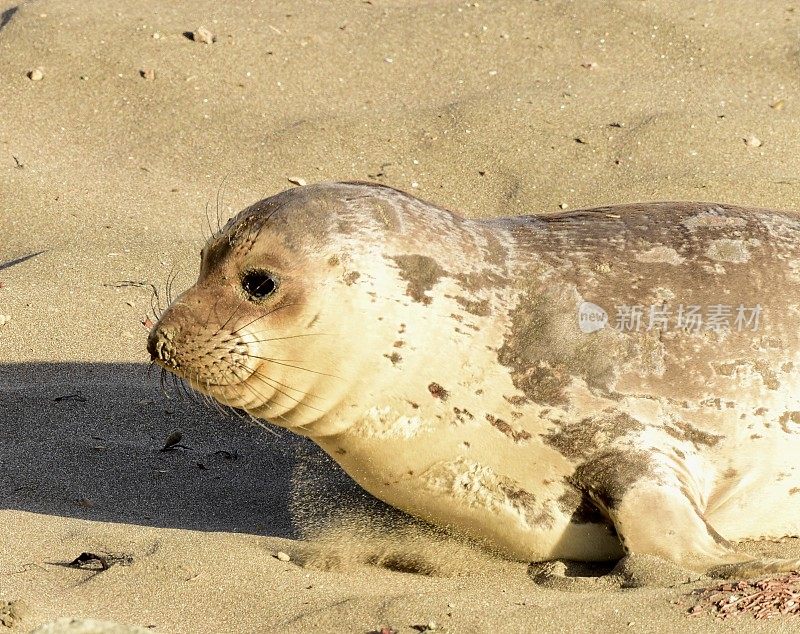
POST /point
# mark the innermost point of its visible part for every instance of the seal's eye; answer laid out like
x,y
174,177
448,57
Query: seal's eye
x,y
258,284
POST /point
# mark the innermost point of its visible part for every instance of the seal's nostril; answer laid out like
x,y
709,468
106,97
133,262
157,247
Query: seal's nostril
x,y
152,343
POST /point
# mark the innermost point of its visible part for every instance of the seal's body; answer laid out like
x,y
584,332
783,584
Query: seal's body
x,y
577,386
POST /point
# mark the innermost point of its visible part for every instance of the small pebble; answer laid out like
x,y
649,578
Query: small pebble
x,y
37,74
156,35
283,556
753,141
296,180
4,319
148,74
202,34
778,105
563,205
173,439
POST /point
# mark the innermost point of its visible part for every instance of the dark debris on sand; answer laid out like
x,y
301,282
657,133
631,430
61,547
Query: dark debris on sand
x,y
765,598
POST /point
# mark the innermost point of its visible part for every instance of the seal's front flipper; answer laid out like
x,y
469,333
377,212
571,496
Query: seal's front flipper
x,y
656,511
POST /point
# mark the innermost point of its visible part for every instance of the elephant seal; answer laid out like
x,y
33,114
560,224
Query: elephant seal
x,y
571,386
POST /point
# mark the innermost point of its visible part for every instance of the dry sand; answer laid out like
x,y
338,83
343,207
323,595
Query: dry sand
x,y
107,164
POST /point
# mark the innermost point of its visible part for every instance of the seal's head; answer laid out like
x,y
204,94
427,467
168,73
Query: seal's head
x,y
242,332
275,323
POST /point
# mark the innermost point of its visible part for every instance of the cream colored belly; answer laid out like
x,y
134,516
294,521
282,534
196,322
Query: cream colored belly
x,y
502,497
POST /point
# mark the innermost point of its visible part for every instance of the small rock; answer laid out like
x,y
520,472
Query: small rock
x,y
753,141
778,105
148,74
589,65
173,439
37,74
4,319
563,205
296,180
156,35
282,556
203,35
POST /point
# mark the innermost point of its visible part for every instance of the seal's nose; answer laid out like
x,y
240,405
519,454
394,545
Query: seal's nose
x,y
161,346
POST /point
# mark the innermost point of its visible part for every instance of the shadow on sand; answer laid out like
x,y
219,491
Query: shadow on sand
x,y
85,440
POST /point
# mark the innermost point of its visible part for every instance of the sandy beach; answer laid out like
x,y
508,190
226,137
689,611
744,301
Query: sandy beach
x,y
123,139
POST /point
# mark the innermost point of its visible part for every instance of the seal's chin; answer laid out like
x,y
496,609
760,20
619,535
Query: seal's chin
x,y
236,393
253,393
